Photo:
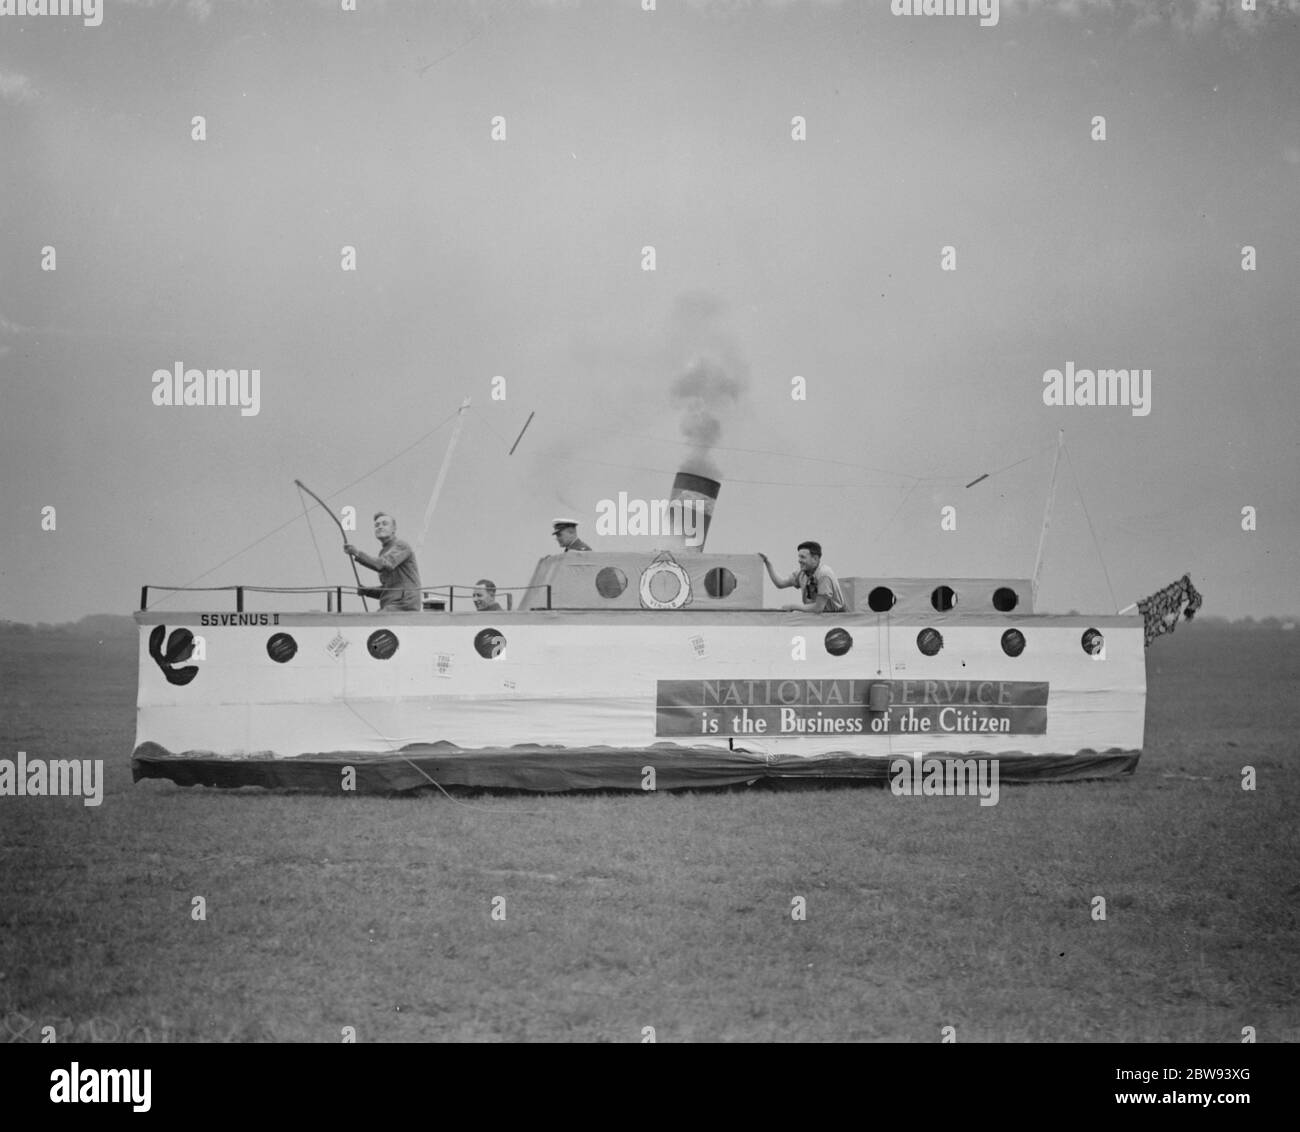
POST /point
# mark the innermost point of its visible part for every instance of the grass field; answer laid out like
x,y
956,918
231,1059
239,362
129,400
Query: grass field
x,y
670,911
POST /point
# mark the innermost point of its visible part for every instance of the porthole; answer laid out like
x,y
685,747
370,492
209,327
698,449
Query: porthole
x,y
610,582
719,582
943,598
489,643
666,587
929,641
838,642
1005,599
881,599
1093,642
281,648
382,644
1013,642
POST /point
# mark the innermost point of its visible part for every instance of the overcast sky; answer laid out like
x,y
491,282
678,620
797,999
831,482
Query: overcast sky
x,y
775,257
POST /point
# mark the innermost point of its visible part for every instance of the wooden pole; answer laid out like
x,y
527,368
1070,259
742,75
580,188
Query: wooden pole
x,y
442,473
1047,516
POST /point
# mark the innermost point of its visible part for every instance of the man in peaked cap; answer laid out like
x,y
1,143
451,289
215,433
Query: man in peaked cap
x,y
566,534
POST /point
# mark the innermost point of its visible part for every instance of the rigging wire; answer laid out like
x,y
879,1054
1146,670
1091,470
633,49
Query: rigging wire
x,y
482,419
1023,460
916,480
631,467
294,519
761,452
730,479
1096,545
785,456
394,750
397,751
825,460
898,510
312,531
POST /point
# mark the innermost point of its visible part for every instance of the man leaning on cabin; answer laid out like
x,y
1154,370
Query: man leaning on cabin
x,y
399,576
817,581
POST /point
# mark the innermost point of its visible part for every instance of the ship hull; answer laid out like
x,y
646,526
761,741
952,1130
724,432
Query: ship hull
x,y
555,700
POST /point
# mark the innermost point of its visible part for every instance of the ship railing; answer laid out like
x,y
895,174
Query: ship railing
x,y
443,597
435,598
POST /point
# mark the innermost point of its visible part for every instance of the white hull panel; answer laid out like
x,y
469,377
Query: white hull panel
x,y
579,680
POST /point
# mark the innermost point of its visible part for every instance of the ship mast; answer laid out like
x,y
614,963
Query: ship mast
x,y
442,472
1047,515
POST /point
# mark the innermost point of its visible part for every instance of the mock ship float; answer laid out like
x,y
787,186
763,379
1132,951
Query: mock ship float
x,y
614,663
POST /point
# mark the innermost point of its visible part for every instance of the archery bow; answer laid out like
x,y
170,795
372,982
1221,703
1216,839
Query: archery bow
x,y
302,486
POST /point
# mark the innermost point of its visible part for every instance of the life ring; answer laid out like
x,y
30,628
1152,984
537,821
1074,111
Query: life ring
x,y
662,566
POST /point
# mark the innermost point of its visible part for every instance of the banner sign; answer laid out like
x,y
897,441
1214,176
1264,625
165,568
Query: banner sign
x,y
845,707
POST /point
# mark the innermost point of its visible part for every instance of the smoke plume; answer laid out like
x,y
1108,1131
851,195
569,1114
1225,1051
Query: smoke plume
x,y
712,382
